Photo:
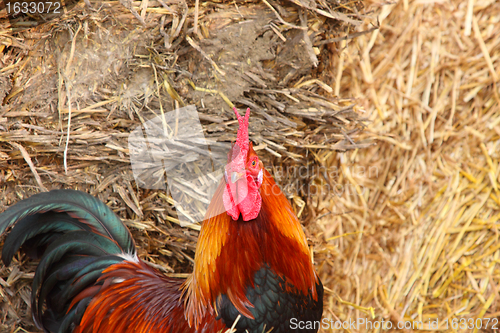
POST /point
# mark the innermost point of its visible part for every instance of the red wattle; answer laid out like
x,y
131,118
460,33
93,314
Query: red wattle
x,y
242,197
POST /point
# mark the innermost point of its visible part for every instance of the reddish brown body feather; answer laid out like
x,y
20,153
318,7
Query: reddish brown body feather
x,y
229,253
146,301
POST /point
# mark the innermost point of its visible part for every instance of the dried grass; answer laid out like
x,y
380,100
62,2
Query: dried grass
x,y
415,233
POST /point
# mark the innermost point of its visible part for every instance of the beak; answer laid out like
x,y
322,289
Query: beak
x,y
235,176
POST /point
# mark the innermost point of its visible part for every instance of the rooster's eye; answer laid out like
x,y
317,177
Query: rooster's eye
x,y
254,163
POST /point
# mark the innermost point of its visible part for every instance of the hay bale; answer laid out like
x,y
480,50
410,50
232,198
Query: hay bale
x,y
415,233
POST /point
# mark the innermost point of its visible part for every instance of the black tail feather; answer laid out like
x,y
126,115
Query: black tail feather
x,y
77,237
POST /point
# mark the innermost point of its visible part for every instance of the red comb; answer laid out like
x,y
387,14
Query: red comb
x,y
242,138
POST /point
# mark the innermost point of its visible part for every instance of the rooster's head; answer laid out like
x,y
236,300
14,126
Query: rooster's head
x,y
243,175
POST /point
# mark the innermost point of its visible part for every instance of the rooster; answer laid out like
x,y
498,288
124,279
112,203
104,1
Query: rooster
x,y
252,270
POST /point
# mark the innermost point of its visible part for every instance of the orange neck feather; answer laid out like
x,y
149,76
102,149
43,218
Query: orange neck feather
x,y
229,253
